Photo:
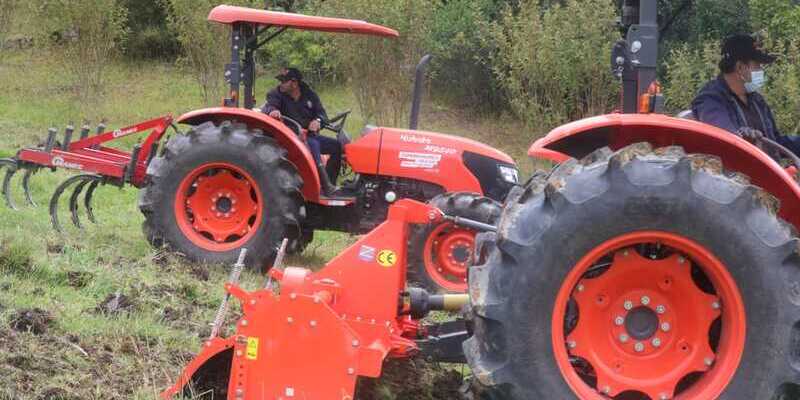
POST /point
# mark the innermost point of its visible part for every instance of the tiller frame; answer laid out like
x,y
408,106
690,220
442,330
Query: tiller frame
x,y
310,335
97,163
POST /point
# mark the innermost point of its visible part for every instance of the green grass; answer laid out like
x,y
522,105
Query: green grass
x,y
86,353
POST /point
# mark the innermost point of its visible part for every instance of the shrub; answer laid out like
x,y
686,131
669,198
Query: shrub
x,y
381,70
553,63
687,70
205,46
84,35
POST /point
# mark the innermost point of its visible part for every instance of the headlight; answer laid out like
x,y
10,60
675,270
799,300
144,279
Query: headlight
x,y
509,174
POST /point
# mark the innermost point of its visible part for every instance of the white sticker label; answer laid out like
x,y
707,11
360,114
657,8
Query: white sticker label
x,y
366,253
440,149
419,160
60,162
119,132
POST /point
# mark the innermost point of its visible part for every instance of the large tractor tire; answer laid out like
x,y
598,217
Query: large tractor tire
x,y
638,274
439,255
220,188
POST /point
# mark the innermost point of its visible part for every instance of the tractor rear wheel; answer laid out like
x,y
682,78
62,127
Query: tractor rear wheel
x,y
638,274
439,255
220,188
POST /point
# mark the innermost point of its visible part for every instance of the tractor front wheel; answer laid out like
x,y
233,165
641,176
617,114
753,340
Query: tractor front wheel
x,y
218,189
439,255
638,274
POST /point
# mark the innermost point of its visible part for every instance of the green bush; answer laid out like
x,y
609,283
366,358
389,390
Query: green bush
x,y
460,71
84,35
150,35
687,70
381,70
553,63
311,52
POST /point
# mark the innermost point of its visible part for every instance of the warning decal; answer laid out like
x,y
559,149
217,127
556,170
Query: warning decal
x,y
387,258
252,348
410,159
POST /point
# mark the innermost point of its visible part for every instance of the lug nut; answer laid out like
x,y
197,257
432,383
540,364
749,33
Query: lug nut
x,y
661,309
663,396
715,305
581,287
628,305
639,347
606,390
656,342
645,300
665,326
619,321
681,260
571,344
623,338
708,361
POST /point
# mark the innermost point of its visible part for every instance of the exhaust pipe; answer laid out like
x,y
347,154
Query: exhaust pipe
x,y
417,95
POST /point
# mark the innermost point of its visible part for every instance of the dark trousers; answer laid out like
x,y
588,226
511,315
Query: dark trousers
x,y
319,144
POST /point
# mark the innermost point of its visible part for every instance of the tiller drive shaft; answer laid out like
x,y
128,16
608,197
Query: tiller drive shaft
x,y
98,164
310,335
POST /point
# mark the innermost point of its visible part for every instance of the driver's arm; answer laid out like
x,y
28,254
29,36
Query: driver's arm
x,y
319,110
273,103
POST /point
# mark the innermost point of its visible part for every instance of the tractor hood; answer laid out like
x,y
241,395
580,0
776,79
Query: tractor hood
x,y
452,162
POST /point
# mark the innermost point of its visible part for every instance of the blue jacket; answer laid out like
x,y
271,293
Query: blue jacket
x,y
716,105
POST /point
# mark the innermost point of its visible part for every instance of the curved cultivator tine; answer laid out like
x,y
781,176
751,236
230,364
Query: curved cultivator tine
x,y
80,181
73,203
26,186
87,200
11,168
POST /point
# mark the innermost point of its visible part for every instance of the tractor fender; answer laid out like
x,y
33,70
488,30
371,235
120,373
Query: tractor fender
x,y
579,138
298,152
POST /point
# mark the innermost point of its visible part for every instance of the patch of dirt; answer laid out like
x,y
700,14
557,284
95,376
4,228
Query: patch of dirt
x,y
34,320
116,303
79,279
199,271
413,379
55,248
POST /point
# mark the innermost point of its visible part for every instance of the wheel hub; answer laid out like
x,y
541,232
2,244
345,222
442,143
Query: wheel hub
x,y
447,255
643,325
220,207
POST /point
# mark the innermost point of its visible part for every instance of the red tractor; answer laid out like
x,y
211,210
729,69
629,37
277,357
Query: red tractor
x,y
239,178
658,260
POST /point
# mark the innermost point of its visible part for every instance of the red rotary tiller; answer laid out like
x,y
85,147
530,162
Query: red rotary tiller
x,y
310,335
97,163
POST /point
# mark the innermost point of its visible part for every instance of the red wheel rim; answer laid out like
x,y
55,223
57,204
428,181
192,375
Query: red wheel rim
x,y
447,253
645,324
218,207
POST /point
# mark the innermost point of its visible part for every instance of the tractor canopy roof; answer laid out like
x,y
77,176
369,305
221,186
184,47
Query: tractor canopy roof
x,y
226,14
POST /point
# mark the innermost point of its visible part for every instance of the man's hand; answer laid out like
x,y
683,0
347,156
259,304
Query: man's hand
x,y
750,134
314,125
275,114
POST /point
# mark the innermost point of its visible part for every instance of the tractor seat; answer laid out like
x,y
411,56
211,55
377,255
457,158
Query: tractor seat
x,y
686,114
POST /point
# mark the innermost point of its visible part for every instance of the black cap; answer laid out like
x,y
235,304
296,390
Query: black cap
x,y
744,48
288,74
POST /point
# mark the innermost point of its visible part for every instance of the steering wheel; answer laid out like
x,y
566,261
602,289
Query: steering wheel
x,y
331,124
780,149
292,124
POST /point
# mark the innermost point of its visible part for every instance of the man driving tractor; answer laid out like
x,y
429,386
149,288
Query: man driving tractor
x,y
732,102
293,98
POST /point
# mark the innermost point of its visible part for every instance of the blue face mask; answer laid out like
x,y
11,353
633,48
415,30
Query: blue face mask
x,y
757,81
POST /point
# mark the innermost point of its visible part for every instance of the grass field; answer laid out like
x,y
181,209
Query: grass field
x,y
114,318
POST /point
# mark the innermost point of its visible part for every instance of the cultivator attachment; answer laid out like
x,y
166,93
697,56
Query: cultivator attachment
x,y
99,165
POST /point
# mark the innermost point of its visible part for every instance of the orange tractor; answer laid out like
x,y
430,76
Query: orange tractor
x,y
658,260
240,178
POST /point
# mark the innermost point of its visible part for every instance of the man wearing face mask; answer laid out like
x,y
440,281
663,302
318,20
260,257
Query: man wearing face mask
x,y
732,102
